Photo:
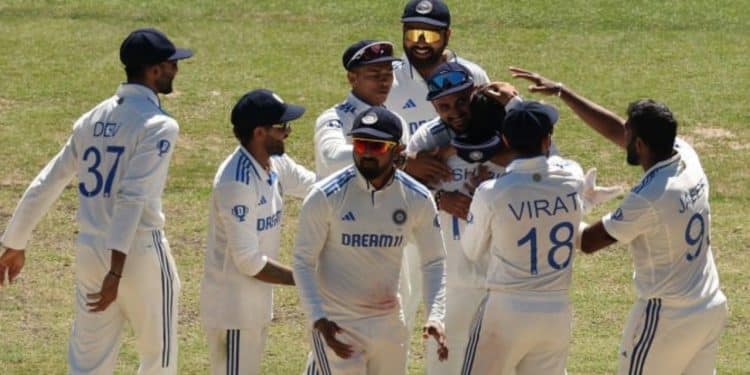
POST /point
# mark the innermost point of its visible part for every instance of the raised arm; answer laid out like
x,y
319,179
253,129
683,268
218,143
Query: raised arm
x,y
601,119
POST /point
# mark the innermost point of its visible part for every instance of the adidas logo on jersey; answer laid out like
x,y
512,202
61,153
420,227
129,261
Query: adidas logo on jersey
x,y
348,217
409,104
262,200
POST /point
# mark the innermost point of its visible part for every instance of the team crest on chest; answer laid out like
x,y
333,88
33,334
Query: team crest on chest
x,y
399,216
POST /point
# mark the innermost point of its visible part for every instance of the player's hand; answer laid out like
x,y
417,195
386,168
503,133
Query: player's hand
x,y
501,92
329,329
12,262
436,330
540,85
481,174
428,168
455,203
100,301
593,195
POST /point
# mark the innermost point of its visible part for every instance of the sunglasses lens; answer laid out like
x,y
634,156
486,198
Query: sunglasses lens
x,y
430,36
374,147
447,80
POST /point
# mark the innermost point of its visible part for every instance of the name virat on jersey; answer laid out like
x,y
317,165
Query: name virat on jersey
x,y
534,209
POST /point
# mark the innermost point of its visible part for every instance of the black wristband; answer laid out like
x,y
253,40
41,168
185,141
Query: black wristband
x,y
114,274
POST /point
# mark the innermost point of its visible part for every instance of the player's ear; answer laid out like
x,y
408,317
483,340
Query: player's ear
x,y
259,132
398,149
448,32
351,77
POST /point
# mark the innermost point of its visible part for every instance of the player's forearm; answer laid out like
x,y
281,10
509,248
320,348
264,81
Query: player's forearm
x,y
602,120
433,279
275,273
308,287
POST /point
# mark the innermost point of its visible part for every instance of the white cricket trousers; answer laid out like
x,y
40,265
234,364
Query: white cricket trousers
x,y
663,339
519,333
146,298
236,351
460,307
380,348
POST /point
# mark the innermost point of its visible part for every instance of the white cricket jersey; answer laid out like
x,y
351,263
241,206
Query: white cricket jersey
x,y
408,95
666,218
244,230
333,144
350,242
120,151
528,218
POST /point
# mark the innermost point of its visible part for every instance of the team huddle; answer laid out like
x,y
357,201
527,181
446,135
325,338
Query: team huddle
x,y
433,185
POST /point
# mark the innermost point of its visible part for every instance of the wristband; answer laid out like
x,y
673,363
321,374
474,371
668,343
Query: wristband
x,y
438,195
559,86
114,274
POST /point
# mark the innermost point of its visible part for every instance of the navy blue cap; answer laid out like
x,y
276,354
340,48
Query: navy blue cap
x,y
377,123
149,46
367,52
431,12
528,122
448,78
263,107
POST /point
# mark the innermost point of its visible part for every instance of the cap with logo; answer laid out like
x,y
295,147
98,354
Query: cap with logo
x,y
149,46
367,52
448,78
528,122
263,107
431,12
377,123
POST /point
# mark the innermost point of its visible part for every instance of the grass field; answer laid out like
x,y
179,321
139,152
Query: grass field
x,y
60,58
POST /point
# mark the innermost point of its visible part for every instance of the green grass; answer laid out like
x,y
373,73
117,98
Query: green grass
x,y
60,58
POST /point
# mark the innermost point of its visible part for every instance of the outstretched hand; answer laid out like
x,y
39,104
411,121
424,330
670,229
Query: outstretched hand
x,y
594,195
436,330
12,262
540,85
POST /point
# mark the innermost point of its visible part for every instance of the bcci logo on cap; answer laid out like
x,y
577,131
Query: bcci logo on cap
x,y
239,211
424,7
476,155
370,119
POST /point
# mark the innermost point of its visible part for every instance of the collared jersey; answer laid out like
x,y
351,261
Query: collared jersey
x,y
333,144
666,218
349,249
244,230
408,95
120,152
527,218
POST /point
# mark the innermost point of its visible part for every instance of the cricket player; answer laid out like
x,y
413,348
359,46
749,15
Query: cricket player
x,y
124,271
526,219
245,232
352,230
369,70
462,107
680,310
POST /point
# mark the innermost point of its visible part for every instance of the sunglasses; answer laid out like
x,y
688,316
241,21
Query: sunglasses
x,y
375,147
371,52
430,36
285,126
447,80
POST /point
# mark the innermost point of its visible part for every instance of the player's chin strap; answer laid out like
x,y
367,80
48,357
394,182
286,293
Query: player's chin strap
x,y
594,195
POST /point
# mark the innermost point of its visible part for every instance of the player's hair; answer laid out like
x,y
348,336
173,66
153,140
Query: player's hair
x,y
244,134
135,73
654,123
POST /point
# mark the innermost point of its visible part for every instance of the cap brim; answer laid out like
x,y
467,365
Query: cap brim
x,y
180,54
427,20
449,91
372,134
292,112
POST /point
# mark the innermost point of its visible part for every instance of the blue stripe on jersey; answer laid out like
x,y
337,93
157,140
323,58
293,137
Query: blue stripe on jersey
x,y
413,184
649,177
438,128
244,165
338,181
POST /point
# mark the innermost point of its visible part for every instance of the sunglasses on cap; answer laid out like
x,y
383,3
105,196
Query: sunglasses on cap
x,y
430,36
447,80
371,52
375,147
285,126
